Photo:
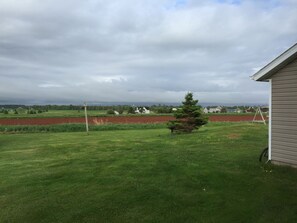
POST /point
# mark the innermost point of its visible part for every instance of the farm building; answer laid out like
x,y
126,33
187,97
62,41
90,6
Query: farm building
x,y
282,75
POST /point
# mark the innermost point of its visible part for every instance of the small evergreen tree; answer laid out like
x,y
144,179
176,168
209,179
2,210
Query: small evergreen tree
x,y
189,117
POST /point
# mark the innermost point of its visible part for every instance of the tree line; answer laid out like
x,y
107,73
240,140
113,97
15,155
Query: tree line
x,y
34,109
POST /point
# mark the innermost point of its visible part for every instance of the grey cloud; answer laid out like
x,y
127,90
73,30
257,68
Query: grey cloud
x,y
134,50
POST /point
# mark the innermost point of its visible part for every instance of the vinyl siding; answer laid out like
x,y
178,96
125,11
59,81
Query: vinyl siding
x,y
284,115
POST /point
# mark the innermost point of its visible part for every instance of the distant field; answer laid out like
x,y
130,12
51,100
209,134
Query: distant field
x,y
97,113
103,120
55,113
69,113
149,175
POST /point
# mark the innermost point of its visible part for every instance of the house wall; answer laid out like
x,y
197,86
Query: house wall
x,y
284,115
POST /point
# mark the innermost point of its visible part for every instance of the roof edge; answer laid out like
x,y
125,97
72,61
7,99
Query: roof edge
x,y
275,65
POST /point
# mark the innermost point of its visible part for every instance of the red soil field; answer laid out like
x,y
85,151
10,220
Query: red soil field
x,y
119,119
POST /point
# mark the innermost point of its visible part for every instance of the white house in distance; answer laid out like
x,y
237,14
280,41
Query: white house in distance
x,y
282,75
213,110
142,110
146,111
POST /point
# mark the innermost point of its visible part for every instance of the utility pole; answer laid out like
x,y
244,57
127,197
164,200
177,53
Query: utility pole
x,y
86,117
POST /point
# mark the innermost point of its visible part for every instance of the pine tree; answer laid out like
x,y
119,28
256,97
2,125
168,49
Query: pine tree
x,y
189,117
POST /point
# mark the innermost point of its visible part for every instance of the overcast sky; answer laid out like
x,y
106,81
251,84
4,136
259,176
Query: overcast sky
x,y
70,51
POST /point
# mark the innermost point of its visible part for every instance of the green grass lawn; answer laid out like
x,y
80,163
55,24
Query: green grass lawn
x,y
145,175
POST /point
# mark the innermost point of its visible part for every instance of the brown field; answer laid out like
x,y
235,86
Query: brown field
x,y
119,119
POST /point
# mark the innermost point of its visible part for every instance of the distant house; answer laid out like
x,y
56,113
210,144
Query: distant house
x,y
281,73
146,111
137,111
142,110
238,110
213,109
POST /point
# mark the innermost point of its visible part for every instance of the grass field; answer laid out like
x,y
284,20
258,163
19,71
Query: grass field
x,y
55,113
69,113
144,176
76,127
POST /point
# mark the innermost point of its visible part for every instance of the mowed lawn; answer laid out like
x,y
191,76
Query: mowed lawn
x,y
212,175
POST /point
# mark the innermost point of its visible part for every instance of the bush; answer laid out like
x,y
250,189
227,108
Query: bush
x,y
110,112
131,110
31,112
121,111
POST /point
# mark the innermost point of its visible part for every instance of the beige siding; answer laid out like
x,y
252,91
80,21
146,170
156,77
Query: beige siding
x,y
284,115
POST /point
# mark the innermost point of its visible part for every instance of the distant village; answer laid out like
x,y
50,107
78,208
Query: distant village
x,y
207,110
235,109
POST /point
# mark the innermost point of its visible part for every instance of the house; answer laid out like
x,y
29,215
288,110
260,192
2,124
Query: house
x,y
205,110
214,110
142,110
137,111
145,110
281,73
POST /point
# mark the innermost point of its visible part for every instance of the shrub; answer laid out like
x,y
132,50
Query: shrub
x,y
131,110
110,112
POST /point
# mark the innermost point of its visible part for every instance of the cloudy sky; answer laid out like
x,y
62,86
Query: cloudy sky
x,y
70,51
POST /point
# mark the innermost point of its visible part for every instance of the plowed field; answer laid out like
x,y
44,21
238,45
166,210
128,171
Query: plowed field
x,y
119,119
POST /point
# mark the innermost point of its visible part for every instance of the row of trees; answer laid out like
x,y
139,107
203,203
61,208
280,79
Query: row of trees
x,y
120,108
20,111
188,117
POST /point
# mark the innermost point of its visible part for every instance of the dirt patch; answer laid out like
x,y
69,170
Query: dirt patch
x,y
115,119
91,120
233,136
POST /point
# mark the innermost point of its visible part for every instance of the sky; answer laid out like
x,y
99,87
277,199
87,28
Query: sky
x,y
71,51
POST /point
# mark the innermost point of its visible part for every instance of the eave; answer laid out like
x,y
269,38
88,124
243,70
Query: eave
x,y
274,66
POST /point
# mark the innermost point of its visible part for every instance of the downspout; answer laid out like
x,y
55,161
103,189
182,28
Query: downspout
x,y
270,119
